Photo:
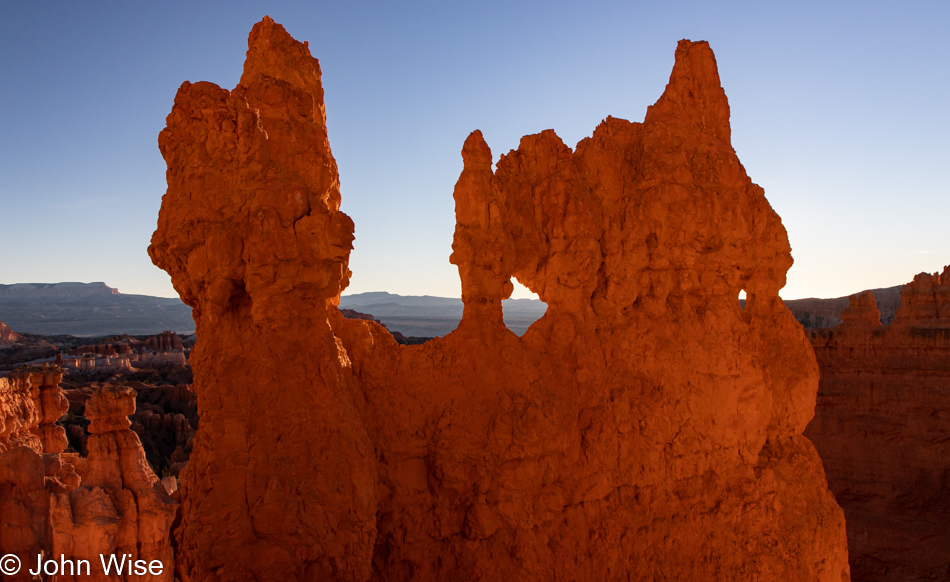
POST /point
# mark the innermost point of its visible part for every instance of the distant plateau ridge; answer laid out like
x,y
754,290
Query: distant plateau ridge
x,y
95,309
89,309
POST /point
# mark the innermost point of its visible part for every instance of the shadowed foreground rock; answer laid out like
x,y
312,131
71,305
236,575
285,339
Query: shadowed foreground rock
x,y
645,428
882,426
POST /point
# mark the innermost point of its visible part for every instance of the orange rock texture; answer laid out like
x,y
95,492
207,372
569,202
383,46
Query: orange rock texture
x,y
31,469
645,428
282,481
120,507
882,426
61,504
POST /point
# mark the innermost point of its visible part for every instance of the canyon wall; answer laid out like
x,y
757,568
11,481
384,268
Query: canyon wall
x,y
882,427
646,427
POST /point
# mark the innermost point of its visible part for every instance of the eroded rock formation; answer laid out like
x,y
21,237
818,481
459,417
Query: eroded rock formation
x,y
817,313
120,507
57,503
882,426
164,342
7,335
166,437
281,483
30,467
646,427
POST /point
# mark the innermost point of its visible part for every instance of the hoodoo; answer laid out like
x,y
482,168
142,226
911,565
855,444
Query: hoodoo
x,y
282,480
647,427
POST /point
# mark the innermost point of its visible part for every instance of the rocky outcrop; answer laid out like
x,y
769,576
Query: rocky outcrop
x,y
647,427
400,338
30,467
7,335
30,404
165,421
56,503
862,315
281,483
166,341
925,304
818,313
881,428
120,507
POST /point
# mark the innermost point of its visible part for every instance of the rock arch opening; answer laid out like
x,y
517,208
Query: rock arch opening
x,y
522,309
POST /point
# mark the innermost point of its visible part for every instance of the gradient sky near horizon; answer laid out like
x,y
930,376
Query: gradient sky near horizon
x,y
839,110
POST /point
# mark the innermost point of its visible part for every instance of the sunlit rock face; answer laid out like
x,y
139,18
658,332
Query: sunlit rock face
x,y
882,426
645,428
7,335
119,507
58,503
282,481
31,467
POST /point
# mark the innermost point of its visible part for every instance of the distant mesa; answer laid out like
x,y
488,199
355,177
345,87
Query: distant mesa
x,y
67,291
89,309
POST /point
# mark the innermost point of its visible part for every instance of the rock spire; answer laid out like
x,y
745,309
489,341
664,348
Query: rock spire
x,y
647,427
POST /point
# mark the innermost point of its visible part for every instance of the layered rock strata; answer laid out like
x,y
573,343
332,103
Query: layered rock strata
x,y
882,427
647,427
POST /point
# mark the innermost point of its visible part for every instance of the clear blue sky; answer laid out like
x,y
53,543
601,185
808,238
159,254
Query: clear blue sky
x,y
840,111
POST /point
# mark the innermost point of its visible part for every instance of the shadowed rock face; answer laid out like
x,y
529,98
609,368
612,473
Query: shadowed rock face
x,y
882,426
646,427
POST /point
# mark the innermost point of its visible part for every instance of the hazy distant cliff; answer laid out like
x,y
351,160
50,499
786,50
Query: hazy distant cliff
x,y
814,313
55,290
430,316
89,309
